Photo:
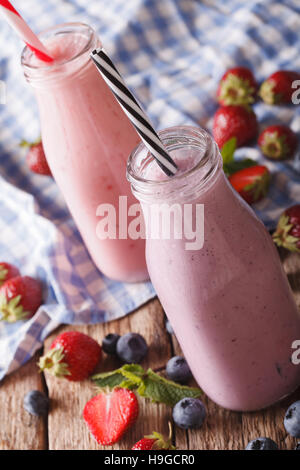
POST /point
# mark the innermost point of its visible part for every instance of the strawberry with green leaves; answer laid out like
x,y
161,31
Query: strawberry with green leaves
x,y
234,121
7,271
20,297
251,183
277,88
237,87
278,142
155,441
72,355
110,414
287,233
250,180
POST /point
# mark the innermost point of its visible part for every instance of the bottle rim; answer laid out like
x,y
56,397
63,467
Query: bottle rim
x,y
38,71
184,183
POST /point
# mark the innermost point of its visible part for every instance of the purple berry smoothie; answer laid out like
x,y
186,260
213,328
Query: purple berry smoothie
x,y
230,302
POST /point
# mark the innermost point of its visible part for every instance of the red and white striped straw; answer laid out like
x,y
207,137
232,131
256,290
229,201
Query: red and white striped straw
x,y
22,28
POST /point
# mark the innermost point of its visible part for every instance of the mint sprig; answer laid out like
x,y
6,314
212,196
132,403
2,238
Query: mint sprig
x,y
148,384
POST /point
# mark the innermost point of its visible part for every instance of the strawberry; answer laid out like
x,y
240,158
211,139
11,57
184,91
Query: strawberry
x,y
36,158
251,183
234,121
7,271
20,297
277,89
155,441
278,142
109,415
72,355
237,87
148,443
287,233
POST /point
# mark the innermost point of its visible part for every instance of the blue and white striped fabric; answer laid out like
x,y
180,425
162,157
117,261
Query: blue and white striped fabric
x,y
172,54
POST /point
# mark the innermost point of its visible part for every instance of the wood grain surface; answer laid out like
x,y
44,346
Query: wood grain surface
x,y
65,429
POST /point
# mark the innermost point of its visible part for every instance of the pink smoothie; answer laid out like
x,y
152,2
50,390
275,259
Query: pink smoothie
x,y
87,140
230,303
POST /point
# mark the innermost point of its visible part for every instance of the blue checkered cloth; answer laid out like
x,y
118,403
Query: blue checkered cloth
x,y
172,54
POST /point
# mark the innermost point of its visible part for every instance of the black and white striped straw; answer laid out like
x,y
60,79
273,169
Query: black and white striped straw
x,y
134,111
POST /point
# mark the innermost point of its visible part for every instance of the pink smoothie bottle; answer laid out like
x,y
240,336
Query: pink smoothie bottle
x,y
223,289
87,139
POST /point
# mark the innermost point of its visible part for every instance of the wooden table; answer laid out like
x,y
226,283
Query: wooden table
x,y
64,427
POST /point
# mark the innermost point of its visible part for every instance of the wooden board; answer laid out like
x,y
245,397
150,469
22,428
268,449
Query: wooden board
x,y
65,429
18,429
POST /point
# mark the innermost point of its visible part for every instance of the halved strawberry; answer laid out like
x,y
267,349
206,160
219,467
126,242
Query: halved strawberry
x,y
7,271
287,233
155,441
109,415
278,142
251,183
237,87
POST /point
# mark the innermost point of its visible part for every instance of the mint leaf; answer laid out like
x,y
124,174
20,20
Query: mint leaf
x,y
132,374
108,379
161,390
228,150
148,384
237,165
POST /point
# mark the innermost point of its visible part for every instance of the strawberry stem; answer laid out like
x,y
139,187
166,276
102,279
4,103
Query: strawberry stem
x,y
52,361
26,144
282,236
275,146
12,310
266,92
160,441
236,91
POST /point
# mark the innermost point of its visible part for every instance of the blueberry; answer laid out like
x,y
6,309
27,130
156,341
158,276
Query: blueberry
x,y
36,403
169,327
178,370
132,348
262,443
109,343
292,419
189,413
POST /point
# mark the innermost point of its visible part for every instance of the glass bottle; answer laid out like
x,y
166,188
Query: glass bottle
x,y
224,289
87,139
